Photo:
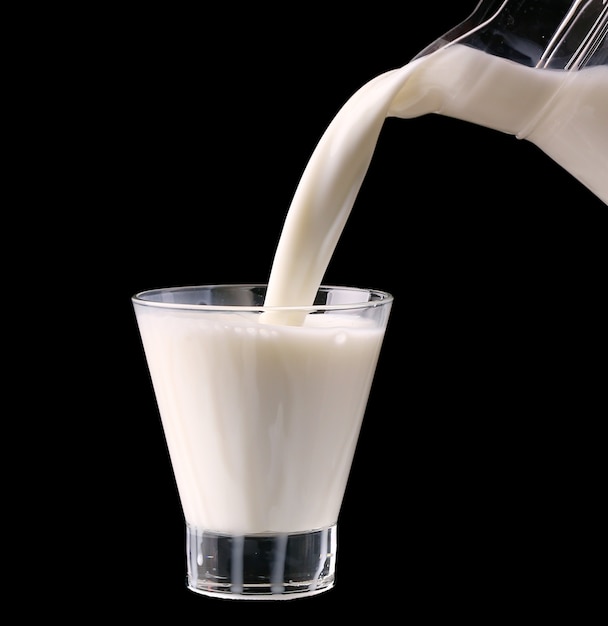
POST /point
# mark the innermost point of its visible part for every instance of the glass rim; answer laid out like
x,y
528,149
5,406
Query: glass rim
x,y
384,297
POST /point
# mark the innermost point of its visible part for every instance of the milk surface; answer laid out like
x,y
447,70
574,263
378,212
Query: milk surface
x,y
563,113
261,421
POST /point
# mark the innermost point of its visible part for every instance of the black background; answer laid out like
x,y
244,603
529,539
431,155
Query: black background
x,y
188,135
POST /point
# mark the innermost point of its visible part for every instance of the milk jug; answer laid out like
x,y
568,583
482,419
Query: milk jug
x,y
537,69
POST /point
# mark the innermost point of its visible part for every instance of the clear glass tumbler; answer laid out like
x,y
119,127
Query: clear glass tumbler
x,y
261,408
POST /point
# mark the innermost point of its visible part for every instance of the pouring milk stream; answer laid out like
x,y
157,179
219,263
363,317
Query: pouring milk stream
x,y
565,113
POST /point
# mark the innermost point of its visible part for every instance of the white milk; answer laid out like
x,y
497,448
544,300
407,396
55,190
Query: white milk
x,y
261,421
298,480
563,113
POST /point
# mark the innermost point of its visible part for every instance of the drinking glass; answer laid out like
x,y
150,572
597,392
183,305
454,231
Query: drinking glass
x,y
261,408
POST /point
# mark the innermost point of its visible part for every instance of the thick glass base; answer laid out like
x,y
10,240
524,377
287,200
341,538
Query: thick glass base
x,y
261,567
